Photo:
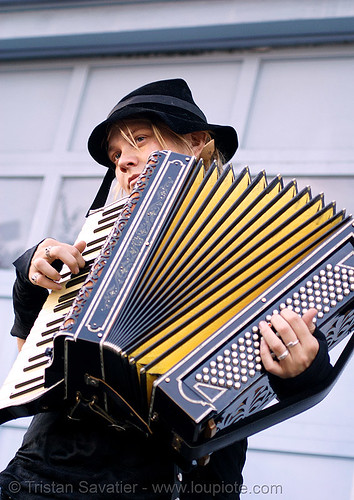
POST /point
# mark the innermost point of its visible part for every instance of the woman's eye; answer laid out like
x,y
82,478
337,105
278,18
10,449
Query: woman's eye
x,y
116,156
140,138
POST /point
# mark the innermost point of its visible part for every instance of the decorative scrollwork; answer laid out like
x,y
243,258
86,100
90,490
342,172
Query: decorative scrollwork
x,y
342,326
255,399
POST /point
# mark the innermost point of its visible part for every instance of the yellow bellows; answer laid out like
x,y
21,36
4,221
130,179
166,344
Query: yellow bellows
x,y
229,242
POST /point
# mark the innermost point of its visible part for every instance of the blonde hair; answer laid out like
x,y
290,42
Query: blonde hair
x,y
160,130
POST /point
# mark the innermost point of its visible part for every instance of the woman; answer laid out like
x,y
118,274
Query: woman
x,y
60,458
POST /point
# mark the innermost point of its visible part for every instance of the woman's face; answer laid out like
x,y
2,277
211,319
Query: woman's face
x,y
129,158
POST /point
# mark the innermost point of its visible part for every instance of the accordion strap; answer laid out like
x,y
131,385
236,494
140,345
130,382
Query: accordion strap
x,y
103,192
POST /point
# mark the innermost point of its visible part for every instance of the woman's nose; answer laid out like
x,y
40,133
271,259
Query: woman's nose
x,y
127,159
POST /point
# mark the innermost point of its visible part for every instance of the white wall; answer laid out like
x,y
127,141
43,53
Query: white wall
x,y
293,110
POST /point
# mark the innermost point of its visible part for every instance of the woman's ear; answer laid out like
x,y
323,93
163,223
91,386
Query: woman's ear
x,y
198,140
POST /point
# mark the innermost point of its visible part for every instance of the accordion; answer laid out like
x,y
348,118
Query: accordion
x,y
160,330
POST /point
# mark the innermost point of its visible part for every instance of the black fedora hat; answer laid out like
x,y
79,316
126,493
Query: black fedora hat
x,y
172,102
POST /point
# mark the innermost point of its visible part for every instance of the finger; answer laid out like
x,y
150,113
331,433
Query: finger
x,y
302,329
308,318
269,363
41,280
69,255
80,245
284,329
274,342
44,268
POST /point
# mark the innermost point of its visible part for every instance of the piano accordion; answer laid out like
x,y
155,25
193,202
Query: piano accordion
x,y
160,328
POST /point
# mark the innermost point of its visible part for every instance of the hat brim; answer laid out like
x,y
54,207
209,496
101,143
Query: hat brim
x,y
225,137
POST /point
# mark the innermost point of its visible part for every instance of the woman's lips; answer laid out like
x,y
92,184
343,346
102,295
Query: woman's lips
x,y
132,180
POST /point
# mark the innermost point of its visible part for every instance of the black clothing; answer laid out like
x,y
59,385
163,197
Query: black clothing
x,y
61,458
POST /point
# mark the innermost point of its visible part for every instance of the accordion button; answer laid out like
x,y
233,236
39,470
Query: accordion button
x,y
252,373
214,380
237,385
198,377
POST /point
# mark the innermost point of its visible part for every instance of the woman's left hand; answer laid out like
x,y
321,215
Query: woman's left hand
x,y
292,349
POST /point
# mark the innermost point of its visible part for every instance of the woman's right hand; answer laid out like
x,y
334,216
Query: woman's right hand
x,y
42,273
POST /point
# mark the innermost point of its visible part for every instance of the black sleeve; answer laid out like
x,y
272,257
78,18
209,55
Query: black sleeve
x,y
28,299
319,369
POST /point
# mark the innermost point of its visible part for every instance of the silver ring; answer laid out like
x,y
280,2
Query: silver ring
x,y
47,252
34,278
291,344
284,355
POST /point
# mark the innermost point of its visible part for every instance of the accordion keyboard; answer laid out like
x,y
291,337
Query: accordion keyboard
x,y
25,381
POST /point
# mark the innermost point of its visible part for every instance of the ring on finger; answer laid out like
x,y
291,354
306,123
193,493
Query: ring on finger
x,y
284,355
47,252
34,278
292,344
